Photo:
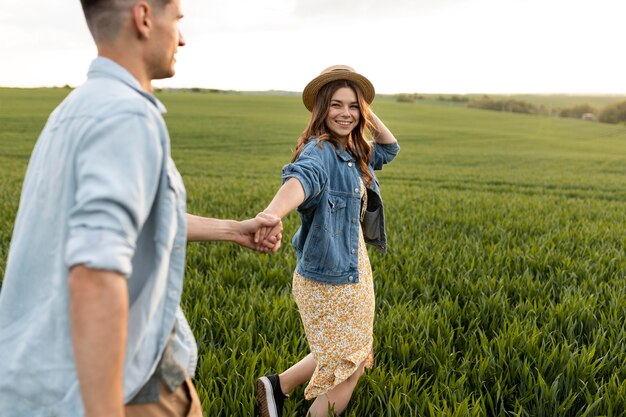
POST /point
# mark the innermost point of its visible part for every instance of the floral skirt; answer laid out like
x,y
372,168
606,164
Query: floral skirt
x,y
338,321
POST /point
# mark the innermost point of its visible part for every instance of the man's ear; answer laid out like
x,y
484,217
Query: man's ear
x,y
142,18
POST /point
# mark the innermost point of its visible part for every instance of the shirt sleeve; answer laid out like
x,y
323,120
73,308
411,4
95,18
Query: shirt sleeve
x,y
383,154
309,170
117,171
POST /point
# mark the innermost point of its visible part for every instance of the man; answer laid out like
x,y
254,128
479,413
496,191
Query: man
x,y
89,309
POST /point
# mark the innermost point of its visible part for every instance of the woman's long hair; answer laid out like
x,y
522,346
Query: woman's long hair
x,y
357,145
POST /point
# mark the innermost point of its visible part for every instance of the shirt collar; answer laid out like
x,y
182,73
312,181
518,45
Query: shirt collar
x,y
105,67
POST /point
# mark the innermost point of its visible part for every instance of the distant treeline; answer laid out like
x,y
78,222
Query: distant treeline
x,y
611,113
508,105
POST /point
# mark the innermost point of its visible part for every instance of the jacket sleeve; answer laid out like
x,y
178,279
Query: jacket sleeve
x,y
383,154
309,169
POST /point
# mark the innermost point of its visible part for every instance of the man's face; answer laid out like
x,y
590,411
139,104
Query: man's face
x,y
166,41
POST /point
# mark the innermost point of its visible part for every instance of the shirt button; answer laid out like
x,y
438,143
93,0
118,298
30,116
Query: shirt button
x,y
353,221
350,279
353,250
349,164
356,190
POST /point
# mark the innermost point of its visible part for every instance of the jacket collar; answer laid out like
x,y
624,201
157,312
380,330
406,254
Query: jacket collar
x,y
343,154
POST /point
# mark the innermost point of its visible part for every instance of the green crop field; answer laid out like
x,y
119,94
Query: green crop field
x,y
503,292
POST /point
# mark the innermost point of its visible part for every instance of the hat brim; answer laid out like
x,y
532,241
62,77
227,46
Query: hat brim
x,y
312,88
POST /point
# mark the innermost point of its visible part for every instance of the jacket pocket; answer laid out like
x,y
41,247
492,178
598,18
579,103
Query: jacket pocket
x,y
336,215
336,203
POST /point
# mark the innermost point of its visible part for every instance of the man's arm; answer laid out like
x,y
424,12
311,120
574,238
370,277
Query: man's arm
x,y
241,232
98,302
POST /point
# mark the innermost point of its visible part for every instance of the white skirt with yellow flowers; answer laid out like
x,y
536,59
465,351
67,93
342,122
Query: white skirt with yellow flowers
x,y
338,322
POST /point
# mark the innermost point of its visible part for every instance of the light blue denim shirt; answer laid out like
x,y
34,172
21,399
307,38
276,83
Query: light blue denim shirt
x,y
100,190
327,242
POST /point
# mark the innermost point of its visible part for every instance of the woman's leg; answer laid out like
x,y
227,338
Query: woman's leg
x,y
298,374
337,398
271,389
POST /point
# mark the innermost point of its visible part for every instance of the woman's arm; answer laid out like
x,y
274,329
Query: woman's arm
x,y
384,135
287,198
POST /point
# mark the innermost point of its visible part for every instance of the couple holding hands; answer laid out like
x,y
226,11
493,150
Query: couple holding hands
x,y
90,317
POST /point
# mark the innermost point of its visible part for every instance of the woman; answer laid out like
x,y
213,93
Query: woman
x,y
332,184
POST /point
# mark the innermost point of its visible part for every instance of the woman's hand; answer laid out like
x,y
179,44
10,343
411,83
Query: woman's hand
x,y
381,135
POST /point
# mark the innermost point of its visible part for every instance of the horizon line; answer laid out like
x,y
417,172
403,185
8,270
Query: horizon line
x,y
293,92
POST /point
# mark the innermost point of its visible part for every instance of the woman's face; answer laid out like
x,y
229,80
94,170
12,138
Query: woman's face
x,y
343,113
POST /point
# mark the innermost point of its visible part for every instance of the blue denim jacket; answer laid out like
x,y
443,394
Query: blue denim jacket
x,y
327,242
100,190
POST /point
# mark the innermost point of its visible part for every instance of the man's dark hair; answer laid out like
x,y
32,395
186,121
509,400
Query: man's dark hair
x,y
104,17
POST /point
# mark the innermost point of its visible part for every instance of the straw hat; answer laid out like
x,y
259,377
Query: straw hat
x,y
337,72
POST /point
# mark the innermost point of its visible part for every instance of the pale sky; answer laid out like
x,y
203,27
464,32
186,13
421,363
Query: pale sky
x,y
402,46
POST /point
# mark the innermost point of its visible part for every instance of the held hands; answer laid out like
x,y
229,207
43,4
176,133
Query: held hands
x,y
267,232
262,233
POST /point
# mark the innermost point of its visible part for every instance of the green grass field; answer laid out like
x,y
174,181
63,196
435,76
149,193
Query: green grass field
x,y
503,292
